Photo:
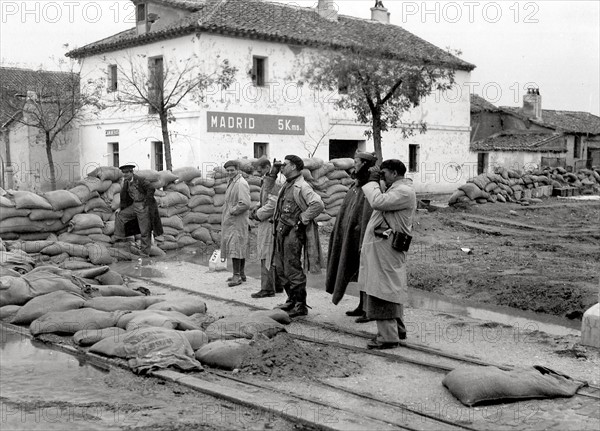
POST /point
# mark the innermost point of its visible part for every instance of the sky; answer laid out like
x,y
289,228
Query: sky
x,y
552,45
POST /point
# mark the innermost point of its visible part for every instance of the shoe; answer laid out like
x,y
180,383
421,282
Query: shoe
x,y
242,277
356,312
262,294
381,345
287,306
235,281
298,310
402,335
363,319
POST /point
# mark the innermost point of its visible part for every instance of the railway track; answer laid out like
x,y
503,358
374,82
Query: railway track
x,y
325,404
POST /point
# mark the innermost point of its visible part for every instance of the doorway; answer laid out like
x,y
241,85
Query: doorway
x,y
342,148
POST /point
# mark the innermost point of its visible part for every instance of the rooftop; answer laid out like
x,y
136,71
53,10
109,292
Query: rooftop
x,y
283,23
521,141
564,121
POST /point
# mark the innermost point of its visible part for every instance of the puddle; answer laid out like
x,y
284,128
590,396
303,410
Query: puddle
x,y
45,389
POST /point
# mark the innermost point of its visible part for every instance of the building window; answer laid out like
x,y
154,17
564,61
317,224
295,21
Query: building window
x,y
141,12
413,158
259,69
482,163
113,153
577,147
157,155
155,82
261,149
112,78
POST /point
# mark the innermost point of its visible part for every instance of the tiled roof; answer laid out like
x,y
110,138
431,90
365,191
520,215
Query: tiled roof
x,y
479,104
283,23
521,141
565,121
191,5
16,82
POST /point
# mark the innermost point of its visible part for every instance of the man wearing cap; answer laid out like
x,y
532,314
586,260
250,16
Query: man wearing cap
x,y
295,230
382,273
138,210
343,256
234,225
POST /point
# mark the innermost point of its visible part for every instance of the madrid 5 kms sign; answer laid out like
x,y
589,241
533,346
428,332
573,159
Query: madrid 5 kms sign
x,y
231,122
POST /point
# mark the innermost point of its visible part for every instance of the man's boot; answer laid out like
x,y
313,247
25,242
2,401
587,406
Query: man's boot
x,y
300,309
287,306
242,269
236,280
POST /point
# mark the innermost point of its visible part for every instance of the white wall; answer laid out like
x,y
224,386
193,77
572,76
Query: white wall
x,y
445,159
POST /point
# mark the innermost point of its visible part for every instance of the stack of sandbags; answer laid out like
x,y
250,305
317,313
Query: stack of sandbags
x,y
196,222
92,199
27,215
506,185
331,181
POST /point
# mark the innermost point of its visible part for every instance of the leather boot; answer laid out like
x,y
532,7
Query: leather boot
x,y
242,269
236,279
287,306
298,310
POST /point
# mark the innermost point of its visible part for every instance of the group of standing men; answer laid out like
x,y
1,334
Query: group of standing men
x,y
379,206
377,211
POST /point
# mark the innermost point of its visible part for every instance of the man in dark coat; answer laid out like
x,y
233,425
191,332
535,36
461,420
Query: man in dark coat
x,y
343,256
138,211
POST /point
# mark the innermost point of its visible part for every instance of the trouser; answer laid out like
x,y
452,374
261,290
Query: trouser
x,y
389,330
267,283
287,260
137,211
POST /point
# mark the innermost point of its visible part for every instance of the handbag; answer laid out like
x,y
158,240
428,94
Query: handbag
x,y
400,240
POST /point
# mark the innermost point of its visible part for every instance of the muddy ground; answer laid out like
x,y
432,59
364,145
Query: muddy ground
x,y
543,257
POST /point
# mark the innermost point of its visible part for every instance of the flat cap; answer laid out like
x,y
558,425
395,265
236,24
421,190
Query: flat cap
x,y
128,167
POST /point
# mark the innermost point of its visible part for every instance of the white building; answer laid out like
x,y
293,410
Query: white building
x,y
265,111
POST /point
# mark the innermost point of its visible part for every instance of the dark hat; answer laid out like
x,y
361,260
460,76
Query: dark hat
x,y
296,161
233,163
128,167
371,157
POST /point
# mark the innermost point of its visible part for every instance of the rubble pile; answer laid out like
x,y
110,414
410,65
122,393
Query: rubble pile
x,y
506,185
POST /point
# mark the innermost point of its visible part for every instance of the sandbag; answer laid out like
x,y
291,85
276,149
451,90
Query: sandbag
x,y
172,199
6,203
87,337
226,354
81,222
151,348
103,173
197,200
71,321
95,184
92,272
83,193
97,204
187,306
184,239
158,318
29,200
110,290
168,177
32,246
180,188
149,174
336,188
40,305
343,163
187,173
7,312
26,225
243,327
61,199
474,385
201,181
196,337
73,265
73,238
114,303
312,163
69,213
175,222
473,192
18,291
338,175
7,213
195,218
323,170
202,234
99,254
110,278
276,314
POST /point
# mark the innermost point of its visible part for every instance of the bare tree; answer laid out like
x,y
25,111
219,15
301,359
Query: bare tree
x,y
378,90
162,86
52,102
312,147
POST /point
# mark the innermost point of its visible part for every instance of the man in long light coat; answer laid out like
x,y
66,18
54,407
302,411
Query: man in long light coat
x,y
382,273
234,225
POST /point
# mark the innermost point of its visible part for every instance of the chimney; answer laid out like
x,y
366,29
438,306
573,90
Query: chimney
x,y
380,13
327,9
532,103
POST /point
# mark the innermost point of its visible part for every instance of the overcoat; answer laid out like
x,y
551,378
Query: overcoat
x,y
132,227
265,211
234,225
343,255
382,272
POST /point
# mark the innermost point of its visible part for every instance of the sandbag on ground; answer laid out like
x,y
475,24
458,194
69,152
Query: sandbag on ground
x,y
40,305
114,303
8,312
473,385
110,290
157,318
227,354
18,291
243,327
151,348
87,337
71,321
187,306
196,337
276,314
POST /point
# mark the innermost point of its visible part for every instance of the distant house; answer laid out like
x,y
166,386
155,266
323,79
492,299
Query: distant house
x,y
24,164
265,112
529,136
